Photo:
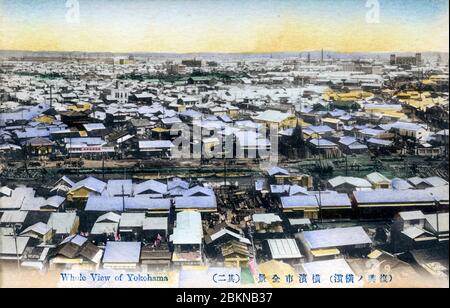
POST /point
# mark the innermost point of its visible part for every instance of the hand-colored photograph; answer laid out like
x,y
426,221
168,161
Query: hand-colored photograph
x,y
230,145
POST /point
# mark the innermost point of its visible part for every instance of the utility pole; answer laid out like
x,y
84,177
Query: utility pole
x,y
446,143
253,184
250,233
346,165
318,150
319,200
103,165
224,171
437,206
123,200
17,250
437,218
15,228
70,149
51,96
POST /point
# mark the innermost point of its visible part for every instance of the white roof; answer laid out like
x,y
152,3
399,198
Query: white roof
x,y
6,191
443,222
94,126
54,201
400,184
297,190
92,184
318,129
337,237
279,189
413,232
156,144
416,180
64,181
188,229
376,177
436,181
119,204
132,220
155,223
322,200
380,141
199,190
62,222
390,196
347,140
75,239
208,202
353,181
177,183
277,170
299,221
266,218
122,252
272,116
39,228
322,143
299,201
109,217
105,228
412,215
119,187
19,196
13,217
224,231
408,126
8,245
152,185
284,249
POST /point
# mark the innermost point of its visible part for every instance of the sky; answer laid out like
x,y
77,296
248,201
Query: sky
x,y
243,26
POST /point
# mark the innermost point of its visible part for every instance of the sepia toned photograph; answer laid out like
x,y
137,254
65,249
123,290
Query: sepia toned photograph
x,y
231,146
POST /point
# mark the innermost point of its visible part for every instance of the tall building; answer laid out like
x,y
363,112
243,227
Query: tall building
x,y
192,63
176,69
407,61
393,60
418,59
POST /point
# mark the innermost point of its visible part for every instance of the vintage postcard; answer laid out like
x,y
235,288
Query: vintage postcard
x,y
224,145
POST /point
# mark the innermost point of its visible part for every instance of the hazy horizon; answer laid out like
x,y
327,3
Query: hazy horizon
x,y
232,27
303,52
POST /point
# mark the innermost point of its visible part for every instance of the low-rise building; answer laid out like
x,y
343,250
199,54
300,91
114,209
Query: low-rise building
x,y
330,243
